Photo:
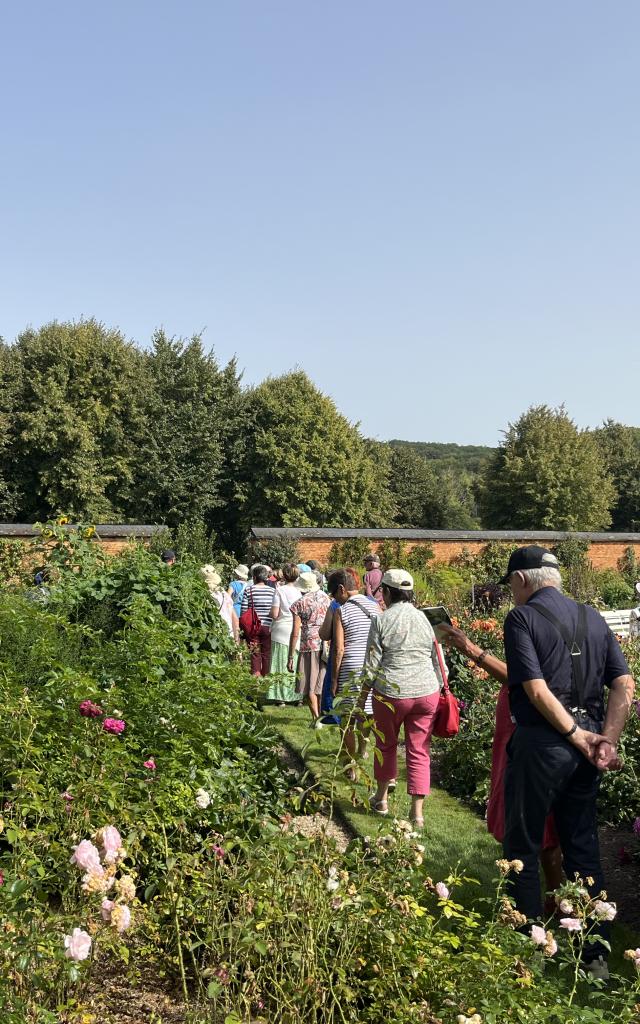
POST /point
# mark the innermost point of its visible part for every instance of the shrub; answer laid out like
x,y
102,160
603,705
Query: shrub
x,y
349,552
614,590
274,552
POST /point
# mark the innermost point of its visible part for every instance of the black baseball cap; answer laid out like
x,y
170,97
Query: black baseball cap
x,y
530,557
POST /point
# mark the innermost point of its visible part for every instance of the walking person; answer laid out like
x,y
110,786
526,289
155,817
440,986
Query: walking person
x,y
560,657
402,668
259,595
282,689
373,579
237,587
221,599
351,625
308,615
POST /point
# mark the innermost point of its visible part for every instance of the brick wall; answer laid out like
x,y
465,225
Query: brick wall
x,y
603,555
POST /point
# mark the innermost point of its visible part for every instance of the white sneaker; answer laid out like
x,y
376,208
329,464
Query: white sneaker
x,y
598,969
318,724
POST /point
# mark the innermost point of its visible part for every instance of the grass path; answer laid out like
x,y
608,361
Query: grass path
x,y
453,834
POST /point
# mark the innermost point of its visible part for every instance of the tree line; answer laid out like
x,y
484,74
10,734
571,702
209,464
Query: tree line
x,y
107,431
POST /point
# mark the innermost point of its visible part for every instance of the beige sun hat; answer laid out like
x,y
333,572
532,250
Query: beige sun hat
x,y
307,582
242,572
398,579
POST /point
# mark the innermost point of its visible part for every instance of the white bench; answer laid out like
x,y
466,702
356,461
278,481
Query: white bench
x,y
618,621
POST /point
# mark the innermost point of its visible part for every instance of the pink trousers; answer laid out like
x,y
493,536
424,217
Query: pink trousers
x,y
417,714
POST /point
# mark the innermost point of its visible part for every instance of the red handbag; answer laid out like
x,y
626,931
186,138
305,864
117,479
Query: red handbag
x,y
250,624
447,717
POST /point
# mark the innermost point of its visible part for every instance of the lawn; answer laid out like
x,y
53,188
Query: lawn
x,y
454,835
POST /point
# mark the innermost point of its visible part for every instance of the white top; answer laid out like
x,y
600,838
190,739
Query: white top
x,y
401,655
283,598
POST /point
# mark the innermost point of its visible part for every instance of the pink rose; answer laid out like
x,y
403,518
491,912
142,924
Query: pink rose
x,y
218,851
604,911
1,879
571,924
538,935
114,725
86,856
442,891
106,908
77,946
150,764
110,842
90,710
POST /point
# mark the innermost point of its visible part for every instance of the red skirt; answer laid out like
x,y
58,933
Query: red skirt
x,y
495,806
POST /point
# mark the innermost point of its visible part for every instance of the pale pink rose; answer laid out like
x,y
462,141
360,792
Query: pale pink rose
x,y
538,934
442,891
604,911
86,856
110,841
571,924
120,917
77,946
566,907
106,908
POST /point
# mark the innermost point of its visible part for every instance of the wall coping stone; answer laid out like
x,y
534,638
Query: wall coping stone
x,y
329,533
103,530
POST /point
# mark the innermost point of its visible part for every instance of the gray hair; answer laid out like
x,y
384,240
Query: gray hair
x,y
544,577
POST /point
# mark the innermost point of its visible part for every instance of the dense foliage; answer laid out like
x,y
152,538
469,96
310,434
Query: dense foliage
x,y
130,739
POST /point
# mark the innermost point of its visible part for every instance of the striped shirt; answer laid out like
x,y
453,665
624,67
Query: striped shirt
x,y
262,596
357,614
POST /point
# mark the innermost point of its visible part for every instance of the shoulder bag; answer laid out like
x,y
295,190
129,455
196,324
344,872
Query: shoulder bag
x,y
250,624
447,717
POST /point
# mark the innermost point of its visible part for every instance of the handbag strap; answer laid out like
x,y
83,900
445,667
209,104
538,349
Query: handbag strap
x,y
362,608
443,668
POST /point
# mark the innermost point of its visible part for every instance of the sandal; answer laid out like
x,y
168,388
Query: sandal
x,y
378,806
392,785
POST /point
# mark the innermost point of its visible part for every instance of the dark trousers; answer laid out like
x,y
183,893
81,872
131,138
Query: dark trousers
x,y
545,773
261,653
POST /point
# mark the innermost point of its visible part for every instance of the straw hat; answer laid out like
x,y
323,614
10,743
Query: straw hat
x,y
241,572
307,582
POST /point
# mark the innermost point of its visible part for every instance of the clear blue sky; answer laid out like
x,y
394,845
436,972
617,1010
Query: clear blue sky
x,y
432,206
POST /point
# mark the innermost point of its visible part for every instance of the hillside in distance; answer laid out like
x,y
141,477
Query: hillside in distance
x,y
471,458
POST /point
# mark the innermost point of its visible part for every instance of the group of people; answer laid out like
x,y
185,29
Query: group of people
x,y
366,643
358,640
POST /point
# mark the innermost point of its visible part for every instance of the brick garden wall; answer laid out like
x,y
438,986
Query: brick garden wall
x,y
603,555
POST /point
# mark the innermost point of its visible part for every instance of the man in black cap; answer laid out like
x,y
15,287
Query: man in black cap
x,y
560,656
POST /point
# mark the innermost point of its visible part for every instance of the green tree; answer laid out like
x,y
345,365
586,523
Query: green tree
x,y
426,496
71,414
620,449
305,464
547,474
180,460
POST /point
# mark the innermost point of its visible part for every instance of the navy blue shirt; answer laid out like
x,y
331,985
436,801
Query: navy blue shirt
x,y
535,650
